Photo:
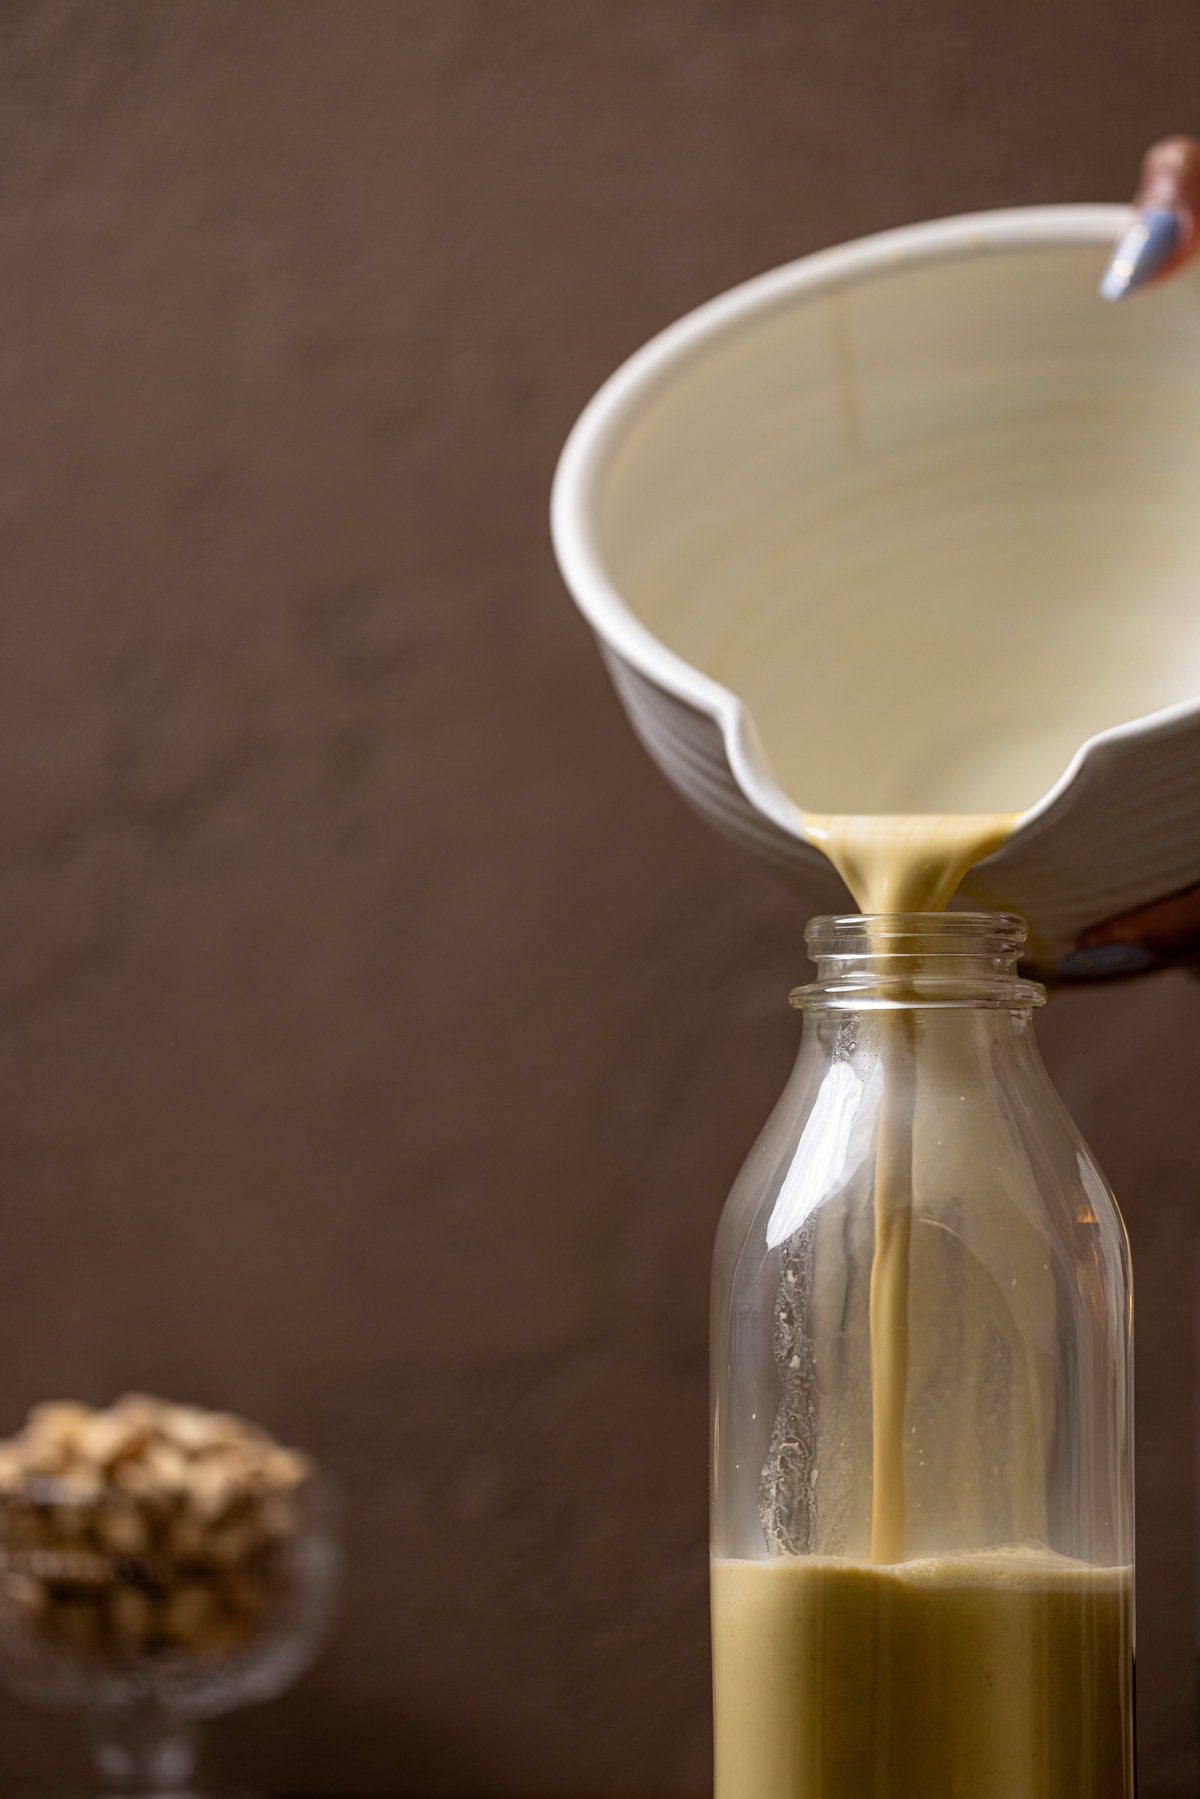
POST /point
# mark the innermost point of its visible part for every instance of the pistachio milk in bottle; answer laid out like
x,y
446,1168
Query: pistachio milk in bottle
x,y
922,1502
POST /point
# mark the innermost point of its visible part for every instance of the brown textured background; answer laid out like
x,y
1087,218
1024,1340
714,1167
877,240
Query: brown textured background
x,y
378,1036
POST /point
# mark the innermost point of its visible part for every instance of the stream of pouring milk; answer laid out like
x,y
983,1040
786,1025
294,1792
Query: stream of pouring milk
x,y
898,863
907,862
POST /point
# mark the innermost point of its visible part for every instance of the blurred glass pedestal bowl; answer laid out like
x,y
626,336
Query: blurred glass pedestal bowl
x,y
147,1644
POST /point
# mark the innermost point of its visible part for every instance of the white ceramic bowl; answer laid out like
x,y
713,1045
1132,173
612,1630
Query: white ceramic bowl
x,y
935,435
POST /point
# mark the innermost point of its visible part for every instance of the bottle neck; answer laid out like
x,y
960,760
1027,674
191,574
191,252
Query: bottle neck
x,y
904,960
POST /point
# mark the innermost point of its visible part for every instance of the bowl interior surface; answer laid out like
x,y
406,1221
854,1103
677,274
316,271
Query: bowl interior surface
x,y
935,524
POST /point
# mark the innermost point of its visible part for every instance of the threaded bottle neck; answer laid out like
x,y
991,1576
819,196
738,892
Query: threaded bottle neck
x,y
902,959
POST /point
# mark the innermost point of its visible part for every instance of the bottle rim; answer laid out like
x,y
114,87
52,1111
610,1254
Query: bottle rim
x,y
900,960
970,933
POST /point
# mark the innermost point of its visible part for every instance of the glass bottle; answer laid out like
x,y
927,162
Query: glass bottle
x,y
922,1499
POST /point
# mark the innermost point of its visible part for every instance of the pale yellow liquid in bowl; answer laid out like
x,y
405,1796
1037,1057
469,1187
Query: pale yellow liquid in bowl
x,y
1000,1675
